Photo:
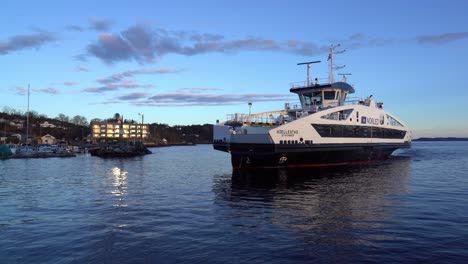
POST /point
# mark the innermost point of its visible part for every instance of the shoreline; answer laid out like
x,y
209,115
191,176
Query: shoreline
x,y
40,156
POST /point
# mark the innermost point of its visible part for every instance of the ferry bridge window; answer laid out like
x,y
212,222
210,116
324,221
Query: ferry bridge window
x,y
339,115
307,99
329,95
317,98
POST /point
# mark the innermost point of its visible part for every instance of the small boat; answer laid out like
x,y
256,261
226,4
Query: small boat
x,y
45,149
25,149
13,148
326,129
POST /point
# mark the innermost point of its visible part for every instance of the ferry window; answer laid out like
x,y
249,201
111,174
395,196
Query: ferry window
x,y
393,121
329,95
307,100
339,115
356,131
317,98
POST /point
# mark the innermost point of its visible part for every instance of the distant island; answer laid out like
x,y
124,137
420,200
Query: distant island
x,y
441,139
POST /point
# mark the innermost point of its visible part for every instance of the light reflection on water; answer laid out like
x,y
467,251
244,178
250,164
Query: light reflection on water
x,y
120,184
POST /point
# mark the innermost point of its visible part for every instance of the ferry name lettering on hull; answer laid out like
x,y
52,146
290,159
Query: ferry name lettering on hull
x,y
287,133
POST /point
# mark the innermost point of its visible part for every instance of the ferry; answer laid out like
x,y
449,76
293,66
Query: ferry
x,y
327,128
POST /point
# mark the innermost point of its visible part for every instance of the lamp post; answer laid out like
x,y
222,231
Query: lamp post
x,y
141,126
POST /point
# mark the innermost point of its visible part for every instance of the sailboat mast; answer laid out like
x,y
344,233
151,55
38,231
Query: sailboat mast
x,y
27,119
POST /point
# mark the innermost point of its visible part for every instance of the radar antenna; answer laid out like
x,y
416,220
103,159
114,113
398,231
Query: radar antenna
x,y
331,77
344,76
308,69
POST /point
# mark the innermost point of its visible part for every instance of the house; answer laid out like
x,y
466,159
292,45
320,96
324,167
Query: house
x,y
17,123
48,139
47,124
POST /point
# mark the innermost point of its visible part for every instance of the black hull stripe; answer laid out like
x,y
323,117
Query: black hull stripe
x,y
271,155
279,148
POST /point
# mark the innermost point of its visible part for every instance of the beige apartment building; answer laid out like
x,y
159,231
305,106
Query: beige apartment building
x,y
113,130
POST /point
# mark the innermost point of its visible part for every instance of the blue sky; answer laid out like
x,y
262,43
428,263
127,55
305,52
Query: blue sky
x,y
193,62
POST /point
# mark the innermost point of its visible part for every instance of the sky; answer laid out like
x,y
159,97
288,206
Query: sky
x,y
194,62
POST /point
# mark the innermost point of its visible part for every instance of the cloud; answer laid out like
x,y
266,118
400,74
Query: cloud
x,y
359,40
20,42
197,90
46,90
117,86
441,38
99,24
132,96
80,57
74,28
191,99
101,89
120,80
19,90
111,48
81,68
70,83
144,44
118,77
306,48
135,43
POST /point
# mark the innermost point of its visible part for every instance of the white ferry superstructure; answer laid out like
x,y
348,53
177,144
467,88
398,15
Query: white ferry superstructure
x,y
327,129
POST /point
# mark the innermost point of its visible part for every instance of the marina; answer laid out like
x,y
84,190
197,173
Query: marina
x,y
28,151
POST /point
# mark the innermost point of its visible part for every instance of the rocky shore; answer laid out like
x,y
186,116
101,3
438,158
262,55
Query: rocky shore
x,y
119,150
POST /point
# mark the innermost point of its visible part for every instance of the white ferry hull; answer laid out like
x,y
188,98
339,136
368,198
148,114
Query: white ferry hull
x,y
314,141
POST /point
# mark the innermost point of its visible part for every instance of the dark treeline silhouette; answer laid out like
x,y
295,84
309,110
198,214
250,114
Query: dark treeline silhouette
x,y
198,134
77,129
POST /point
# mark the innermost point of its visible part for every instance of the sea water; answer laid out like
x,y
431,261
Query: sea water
x,y
186,205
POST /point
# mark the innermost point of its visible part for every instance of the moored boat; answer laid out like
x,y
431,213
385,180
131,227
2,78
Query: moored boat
x,y
13,148
45,149
25,149
326,129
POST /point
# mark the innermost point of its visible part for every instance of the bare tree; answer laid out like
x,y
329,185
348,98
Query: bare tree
x,y
63,118
80,120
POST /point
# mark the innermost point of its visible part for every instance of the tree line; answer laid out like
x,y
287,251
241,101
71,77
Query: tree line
x,y
77,128
77,120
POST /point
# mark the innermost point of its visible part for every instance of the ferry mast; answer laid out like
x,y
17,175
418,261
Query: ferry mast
x,y
331,55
